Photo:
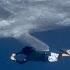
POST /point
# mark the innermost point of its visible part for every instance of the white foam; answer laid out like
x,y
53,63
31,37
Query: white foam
x,y
13,57
53,57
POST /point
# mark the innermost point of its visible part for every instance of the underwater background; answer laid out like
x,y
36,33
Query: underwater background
x,y
56,39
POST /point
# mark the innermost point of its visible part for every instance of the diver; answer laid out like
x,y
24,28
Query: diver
x,y
31,54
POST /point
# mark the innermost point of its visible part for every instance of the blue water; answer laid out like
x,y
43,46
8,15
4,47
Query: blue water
x,y
56,39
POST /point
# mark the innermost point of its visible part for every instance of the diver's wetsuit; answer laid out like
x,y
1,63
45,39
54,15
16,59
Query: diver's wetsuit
x,y
33,55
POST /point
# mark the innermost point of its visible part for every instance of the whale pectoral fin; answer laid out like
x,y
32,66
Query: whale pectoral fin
x,y
34,42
